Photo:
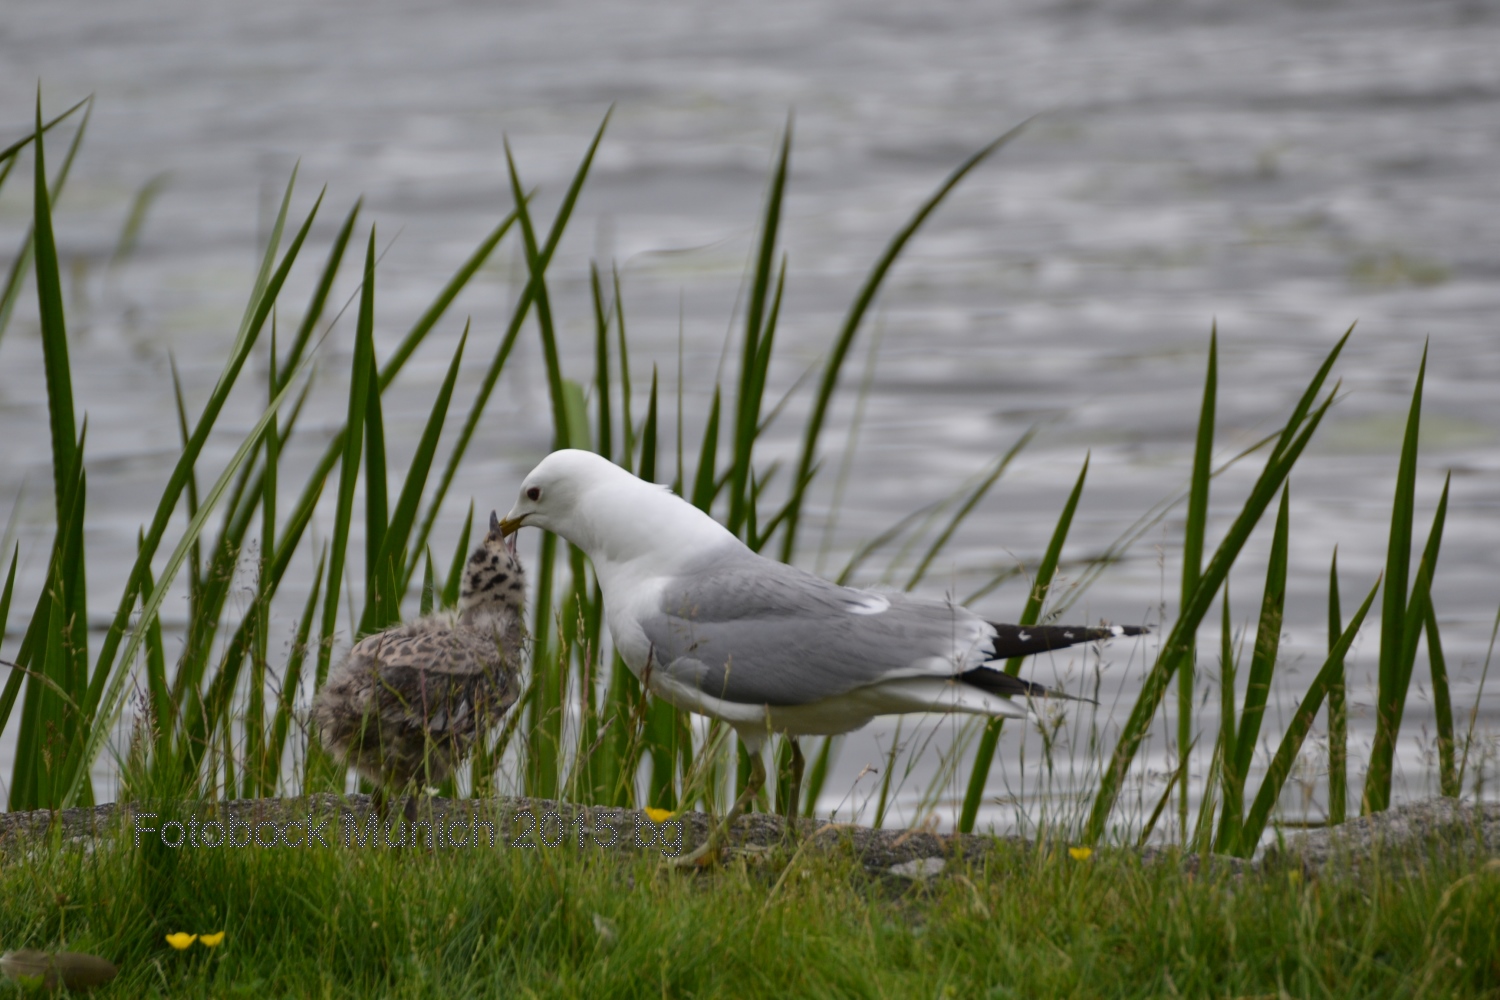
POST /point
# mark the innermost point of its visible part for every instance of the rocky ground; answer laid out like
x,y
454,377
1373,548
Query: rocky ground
x,y
1407,830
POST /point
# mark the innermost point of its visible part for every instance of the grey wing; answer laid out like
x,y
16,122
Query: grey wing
x,y
754,631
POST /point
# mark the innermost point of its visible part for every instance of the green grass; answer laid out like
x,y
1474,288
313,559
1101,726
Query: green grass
x,y
564,922
584,729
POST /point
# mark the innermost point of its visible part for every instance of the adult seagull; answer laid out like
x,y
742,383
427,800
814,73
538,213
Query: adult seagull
x,y
715,628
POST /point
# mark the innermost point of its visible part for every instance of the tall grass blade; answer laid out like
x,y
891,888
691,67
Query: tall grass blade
x,y
1338,713
454,579
291,680
702,494
1442,705
752,382
393,559
111,701
989,740
603,437
518,318
1484,676
1192,553
9,152
256,313
967,507
1290,443
377,506
54,331
10,292
1258,684
1331,673
846,335
1391,693
135,219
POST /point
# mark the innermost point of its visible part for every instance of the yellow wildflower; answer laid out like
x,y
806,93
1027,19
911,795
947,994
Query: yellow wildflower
x,y
1080,853
658,816
181,939
211,940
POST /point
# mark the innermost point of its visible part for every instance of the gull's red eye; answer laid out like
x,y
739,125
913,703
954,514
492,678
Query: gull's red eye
x,y
535,493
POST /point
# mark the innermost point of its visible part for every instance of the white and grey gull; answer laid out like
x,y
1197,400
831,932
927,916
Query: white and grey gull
x,y
715,628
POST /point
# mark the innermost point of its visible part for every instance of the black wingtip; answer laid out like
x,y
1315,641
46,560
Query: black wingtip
x,y
1008,686
1025,640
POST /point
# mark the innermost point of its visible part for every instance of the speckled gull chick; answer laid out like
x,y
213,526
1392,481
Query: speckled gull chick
x,y
409,704
715,628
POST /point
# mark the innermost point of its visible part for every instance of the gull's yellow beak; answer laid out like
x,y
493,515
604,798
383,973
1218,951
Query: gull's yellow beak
x,y
510,525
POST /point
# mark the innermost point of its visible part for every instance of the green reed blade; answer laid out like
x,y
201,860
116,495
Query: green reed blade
x,y
1442,705
253,711
1267,640
647,469
1391,693
257,312
1291,743
195,560
1223,776
13,681
10,292
108,706
1192,549
989,740
25,259
291,679
575,409
270,478
1484,676
703,484
385,608
852,321
1241,755
548,660
362,382
817,774
43,638
252,493
10,583
627,425
603,437
135,219
538,287
428,600
377,502
518,317
968,506
454,579
1338,714
162,713
1442,702
10,151
439,306
1175,780
869,548
1293,438
319,300
748,398
54,329
1415,615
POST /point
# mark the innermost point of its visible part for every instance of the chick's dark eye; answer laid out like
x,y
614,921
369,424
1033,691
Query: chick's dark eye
x,y
535,493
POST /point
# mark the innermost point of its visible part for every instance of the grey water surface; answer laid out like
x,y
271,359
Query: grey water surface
x,y
1280,170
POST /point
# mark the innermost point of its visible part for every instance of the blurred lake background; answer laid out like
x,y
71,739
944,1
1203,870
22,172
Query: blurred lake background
x,y
1282,169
